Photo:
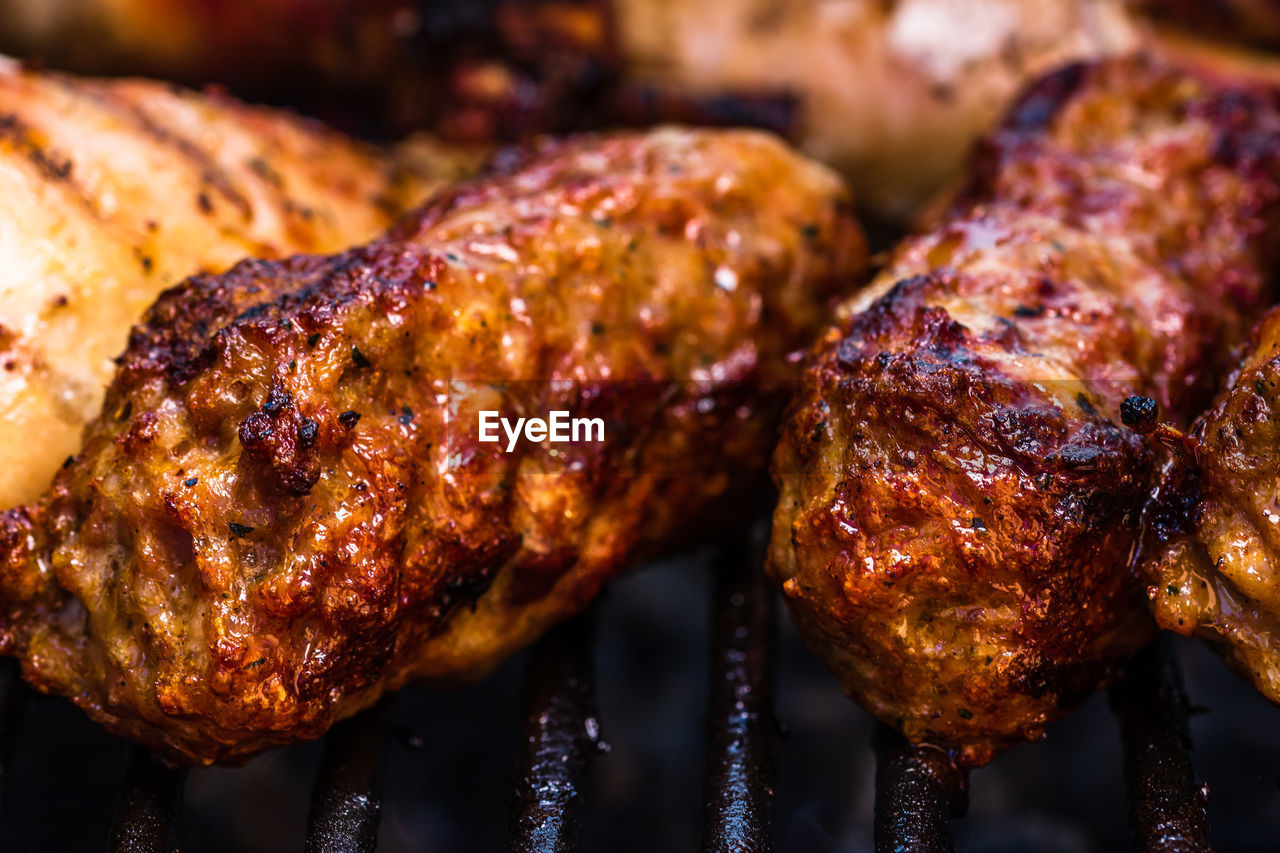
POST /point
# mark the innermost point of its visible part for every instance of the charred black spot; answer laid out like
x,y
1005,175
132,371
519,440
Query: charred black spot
x,y
349,419
307,431
1141,414
239,531
277,399
255,430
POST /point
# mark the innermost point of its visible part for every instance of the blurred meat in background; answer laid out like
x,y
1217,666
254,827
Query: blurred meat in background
x,y
891,93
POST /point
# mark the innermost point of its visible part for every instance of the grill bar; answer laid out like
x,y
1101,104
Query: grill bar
x,y
741,732
150,803
13,701
918,790
346,800
1166,802
560,735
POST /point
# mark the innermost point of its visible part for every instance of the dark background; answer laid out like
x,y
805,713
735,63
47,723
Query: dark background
x,y
451,764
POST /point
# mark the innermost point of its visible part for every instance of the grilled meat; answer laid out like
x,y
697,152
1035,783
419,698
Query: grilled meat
x,y
893,94
112,191
286,509
1210,561
958,503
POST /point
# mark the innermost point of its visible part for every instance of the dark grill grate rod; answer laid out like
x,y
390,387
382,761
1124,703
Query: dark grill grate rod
x,y
561,732
150,803
741,733
918,790
346,800
1166,803
13,701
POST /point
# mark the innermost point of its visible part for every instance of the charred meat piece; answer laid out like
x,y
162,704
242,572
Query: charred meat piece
x,y
1212,564
285,507
112,191
959,500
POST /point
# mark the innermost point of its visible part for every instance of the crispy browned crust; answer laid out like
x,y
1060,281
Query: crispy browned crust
x,y
958,500
1214,523
112,191
283,509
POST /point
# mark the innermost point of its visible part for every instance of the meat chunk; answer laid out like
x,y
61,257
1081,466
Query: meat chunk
x,y
893,94
286,507
1211,563
958,499
112,191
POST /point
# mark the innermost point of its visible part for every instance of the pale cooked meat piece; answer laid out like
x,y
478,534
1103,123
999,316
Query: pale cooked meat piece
x,y
112,191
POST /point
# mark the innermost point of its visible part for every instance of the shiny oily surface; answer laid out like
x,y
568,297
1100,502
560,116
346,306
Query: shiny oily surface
x,y
1211,564
284,509
112,191
959,501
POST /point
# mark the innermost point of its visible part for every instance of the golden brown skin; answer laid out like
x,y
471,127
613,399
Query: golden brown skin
x,y
1211,557
958,503
111,192
892,94
284,509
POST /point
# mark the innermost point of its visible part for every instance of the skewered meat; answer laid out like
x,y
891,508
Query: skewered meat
x,y
892,94
957,505
286,508
1210,564
112,191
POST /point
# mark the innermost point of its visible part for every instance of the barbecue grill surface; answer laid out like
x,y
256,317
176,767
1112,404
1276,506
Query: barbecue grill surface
x,y
451,761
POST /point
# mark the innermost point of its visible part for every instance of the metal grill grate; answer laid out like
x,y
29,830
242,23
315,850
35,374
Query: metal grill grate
x,y
918,789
